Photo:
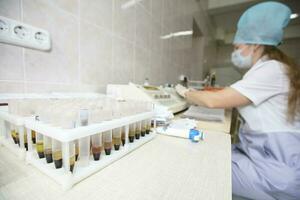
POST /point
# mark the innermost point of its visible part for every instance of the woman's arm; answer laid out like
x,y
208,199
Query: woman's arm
x,y
226,98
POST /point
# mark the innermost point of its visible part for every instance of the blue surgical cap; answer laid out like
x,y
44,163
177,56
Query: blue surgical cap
x,y
263,24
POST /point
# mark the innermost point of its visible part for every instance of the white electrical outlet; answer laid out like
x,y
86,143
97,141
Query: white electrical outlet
x,y
3,26
20,34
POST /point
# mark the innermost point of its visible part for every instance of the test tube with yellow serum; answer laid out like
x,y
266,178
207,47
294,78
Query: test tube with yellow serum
x,y
40,145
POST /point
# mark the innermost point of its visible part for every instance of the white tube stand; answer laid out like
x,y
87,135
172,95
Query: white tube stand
x,y
63,176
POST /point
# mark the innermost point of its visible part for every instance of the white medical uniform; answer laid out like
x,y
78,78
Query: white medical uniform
x,y
266,162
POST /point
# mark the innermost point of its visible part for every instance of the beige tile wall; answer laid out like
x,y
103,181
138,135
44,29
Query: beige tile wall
x,y
96,42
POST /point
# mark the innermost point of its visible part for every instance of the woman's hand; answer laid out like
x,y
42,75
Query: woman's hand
x,y
181,90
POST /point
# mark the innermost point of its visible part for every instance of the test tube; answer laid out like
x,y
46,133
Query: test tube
x,y
17,137
96,146
137,130
76,149
123,135
84,143
13,133
84,151
117,138
107,137
33,136
143,127
72,155
48,149
83,117
13,109
125,110
40,145
148,129
68,121
116,133
25,139
57,154
131,133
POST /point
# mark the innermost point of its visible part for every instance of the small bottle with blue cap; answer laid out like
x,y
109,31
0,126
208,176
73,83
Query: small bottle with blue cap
x,y
196,135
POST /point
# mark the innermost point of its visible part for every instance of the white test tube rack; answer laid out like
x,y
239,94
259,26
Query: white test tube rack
x,y
63,175
7,120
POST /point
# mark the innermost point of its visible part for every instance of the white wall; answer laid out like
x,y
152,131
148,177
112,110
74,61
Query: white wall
x,y
204,47
225,76
96,42
212,4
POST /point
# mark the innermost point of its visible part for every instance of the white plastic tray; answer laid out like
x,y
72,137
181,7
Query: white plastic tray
x,y
63,176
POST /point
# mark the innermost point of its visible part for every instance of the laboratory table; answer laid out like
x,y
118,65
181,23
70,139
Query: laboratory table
x,y
166,168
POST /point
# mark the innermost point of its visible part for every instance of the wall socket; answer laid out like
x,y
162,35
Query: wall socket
x,y
24,35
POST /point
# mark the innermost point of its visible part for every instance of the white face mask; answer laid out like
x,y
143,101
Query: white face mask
x,y
242,62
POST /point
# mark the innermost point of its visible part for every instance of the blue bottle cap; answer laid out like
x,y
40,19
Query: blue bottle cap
x,y
193,133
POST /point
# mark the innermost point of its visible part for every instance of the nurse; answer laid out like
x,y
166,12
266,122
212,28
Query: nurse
x,y
266,162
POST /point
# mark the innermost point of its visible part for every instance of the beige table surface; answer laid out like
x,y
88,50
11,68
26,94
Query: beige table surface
x,y
165,168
